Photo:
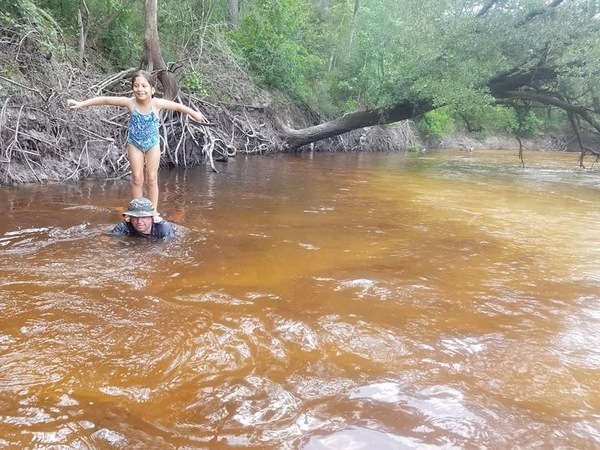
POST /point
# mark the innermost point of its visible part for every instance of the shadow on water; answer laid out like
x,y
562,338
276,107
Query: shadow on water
x,y
377,301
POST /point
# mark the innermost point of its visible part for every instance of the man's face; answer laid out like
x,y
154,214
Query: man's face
x,y
142,225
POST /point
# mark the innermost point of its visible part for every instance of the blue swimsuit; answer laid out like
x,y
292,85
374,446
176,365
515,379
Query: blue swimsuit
x,y
143,130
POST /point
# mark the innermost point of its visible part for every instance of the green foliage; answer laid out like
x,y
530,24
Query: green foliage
x,y
193,82
122,41
490,120
118,30
13,12
274,37
26,18
183,24
436,123
487,119
115,27
64,12
526,122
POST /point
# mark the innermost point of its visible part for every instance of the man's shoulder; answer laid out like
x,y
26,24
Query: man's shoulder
x,y
164,228
121,229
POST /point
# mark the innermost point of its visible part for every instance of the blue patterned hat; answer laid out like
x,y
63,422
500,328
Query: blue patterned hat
x,y
140,207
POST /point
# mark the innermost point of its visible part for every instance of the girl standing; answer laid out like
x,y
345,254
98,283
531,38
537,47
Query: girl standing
x,y
143,146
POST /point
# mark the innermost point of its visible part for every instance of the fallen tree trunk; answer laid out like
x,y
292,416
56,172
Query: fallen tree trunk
x,y
359,119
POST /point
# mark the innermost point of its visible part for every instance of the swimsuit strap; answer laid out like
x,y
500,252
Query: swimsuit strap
x,y
136,111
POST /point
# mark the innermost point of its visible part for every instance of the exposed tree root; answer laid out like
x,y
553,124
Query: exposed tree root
x,y
91,142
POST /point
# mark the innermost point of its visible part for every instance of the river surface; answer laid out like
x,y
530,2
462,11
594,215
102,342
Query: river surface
x,y
441,300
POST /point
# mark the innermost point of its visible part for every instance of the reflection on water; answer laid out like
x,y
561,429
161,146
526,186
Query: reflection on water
x,y
350,301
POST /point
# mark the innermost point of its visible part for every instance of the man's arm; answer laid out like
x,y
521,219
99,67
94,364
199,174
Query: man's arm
x,y
121,229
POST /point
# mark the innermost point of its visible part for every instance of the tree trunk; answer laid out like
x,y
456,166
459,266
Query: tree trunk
x,y
323,8
152,57
83,24
353,121
234,13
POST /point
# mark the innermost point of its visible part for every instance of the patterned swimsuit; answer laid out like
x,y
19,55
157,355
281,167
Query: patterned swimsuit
x,y
143,130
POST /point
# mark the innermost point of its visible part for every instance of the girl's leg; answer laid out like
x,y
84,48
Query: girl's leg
x,y
136,162
152,165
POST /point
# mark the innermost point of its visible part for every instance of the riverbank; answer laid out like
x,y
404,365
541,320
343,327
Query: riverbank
x,y
42,141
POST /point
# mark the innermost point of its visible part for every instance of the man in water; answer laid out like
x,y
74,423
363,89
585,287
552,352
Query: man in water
x,y
141,221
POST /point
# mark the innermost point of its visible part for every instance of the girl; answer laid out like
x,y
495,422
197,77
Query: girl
x,y
143,140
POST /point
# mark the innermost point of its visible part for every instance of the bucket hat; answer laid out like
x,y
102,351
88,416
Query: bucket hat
x,y
140,207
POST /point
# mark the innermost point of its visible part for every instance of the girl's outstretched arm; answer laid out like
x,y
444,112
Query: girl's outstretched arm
x,y
161,103
124,102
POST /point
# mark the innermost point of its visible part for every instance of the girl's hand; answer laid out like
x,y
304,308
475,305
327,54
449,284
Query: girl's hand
x,y
72,104
199,117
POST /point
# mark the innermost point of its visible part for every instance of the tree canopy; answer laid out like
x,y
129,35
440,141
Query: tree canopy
x,y
387,60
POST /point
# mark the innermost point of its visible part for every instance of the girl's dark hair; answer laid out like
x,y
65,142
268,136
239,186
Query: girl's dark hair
x,y
147,75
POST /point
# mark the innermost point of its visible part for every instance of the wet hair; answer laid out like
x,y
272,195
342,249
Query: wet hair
x,y
147,75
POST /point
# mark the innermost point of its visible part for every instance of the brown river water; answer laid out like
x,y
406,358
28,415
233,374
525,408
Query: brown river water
x,y
442,300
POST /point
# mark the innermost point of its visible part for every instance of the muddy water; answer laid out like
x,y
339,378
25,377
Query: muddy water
x,y
349,301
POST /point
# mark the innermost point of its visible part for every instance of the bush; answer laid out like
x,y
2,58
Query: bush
x,y
436,123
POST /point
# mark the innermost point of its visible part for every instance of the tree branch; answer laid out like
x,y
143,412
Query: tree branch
x,y
486,7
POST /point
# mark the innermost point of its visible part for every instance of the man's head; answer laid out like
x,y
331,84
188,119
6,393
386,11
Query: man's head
x,y
141,214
